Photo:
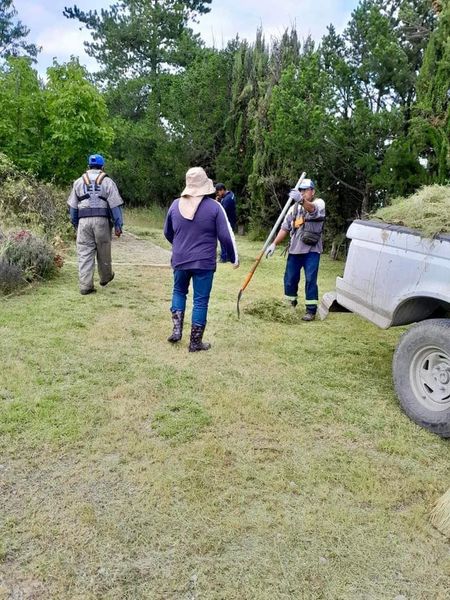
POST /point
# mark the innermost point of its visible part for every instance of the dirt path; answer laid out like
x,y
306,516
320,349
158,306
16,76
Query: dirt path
x,y
133,251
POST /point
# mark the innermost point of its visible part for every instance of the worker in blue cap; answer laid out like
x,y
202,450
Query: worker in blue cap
x,y
95,209
304,223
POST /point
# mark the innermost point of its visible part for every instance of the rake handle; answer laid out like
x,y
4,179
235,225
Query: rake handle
x,y
252,271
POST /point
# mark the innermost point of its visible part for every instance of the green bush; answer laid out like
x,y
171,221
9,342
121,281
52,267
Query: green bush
x,y
11,277
258,233
34,257
27,202
7,168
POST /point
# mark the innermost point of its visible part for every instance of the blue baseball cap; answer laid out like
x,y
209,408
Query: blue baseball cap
x,y
307,184
96,160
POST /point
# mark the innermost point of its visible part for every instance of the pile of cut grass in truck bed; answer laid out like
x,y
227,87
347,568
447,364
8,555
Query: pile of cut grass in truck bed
x,y
427,210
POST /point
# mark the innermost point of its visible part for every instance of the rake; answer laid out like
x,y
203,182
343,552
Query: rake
x,y
266,244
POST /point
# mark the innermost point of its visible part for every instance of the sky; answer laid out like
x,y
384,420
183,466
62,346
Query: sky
x,y
60,37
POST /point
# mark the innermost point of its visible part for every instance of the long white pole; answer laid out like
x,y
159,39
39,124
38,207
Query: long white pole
x,y
267,243
282,215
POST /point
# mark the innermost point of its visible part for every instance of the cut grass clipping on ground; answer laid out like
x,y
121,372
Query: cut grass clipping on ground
x,y
180,421
428,210
276,466
275,310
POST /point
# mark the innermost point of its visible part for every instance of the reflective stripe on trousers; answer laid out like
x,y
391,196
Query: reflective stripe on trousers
x,y
310,264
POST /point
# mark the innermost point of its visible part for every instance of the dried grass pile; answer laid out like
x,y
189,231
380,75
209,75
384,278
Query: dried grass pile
x,y
427,210
440,517
275,311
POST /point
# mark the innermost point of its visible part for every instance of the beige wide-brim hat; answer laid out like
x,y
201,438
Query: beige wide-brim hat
x,y
198,183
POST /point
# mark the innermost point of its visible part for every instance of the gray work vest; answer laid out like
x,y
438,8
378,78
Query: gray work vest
x,y
93,203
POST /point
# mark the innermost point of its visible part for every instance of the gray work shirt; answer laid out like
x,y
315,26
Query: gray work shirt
x,y
296,245
108,190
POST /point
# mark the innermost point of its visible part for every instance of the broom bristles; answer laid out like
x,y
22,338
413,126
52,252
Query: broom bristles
x,y
440,515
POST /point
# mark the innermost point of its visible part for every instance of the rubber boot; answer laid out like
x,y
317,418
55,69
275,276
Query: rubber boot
x,y
196,344
177,320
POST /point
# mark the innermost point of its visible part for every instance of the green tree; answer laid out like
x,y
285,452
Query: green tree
x,y
198,121
142,47
401,173
23,113
249,81
139,38
13,33
431,124
415,23
299,121
143,162
376,55
342,75
77,122
373,69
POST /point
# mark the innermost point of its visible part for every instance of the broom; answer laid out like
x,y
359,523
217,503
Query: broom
x,y
440,515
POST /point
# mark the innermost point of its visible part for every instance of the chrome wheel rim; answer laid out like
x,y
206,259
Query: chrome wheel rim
x,y
430,378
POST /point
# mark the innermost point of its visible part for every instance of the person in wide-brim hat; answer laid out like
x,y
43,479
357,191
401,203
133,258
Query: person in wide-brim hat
x,y
198,185
194,224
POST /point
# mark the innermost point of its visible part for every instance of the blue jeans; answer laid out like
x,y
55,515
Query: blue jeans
x,y
202,280
310,264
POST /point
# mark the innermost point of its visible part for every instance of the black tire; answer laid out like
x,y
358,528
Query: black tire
x,y
421,371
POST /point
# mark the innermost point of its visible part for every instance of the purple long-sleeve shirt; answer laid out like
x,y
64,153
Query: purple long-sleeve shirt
x,y
194,243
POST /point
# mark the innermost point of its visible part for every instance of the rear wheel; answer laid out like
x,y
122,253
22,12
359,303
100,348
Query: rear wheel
x,y
421,370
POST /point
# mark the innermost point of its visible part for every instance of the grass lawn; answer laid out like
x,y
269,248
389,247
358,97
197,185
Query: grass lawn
x,y
277,465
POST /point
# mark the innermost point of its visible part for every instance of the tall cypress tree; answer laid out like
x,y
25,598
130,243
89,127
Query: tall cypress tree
x,y
432,115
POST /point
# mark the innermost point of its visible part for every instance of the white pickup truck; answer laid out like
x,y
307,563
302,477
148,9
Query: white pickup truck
x,y
394,276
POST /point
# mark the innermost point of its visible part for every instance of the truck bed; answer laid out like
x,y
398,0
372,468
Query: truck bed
x,y
393,275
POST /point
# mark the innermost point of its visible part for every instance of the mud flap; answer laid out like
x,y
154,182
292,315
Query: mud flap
x,y
330,304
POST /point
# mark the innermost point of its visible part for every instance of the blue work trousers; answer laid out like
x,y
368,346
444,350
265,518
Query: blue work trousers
x,y
310,264
202,280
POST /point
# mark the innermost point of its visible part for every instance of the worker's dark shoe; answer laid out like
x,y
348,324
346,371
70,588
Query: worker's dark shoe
x,y
177,320
89,291
103,283
196,344
309,316
290,301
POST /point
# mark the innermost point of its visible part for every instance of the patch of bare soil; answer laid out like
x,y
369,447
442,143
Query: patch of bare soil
x,y
133,251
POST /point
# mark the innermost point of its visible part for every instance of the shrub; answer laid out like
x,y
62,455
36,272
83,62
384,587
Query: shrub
x,y
11,277
35,257
27,202
7,168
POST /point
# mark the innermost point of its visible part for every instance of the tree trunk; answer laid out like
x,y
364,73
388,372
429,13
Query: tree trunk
x,y
365,202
